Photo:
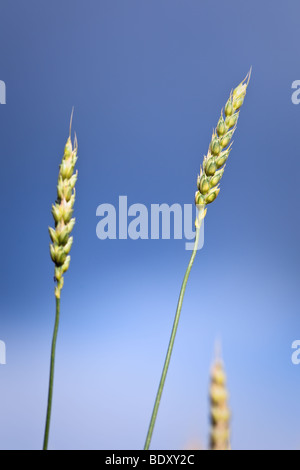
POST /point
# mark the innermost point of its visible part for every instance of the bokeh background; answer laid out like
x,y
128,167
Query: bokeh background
x,y
148,80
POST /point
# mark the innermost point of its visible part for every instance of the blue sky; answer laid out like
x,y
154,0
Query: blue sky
x,y
148,80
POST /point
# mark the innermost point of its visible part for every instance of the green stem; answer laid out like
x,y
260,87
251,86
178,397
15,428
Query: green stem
x,y
171,343
51,378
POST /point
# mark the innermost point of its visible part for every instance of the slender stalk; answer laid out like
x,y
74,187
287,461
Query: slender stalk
x,y
60,247
51,378
172,339
211,173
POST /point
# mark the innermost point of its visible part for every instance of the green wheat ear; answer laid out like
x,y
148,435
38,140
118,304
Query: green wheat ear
x,y
60,247
219,411
62,212
214,162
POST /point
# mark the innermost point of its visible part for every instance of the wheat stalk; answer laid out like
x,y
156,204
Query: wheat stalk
x,y
208,181
219,411
60,247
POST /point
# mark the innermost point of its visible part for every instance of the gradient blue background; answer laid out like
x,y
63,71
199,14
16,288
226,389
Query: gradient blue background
x,y
148,80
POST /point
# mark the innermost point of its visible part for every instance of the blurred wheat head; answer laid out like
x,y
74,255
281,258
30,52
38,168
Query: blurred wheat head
x,y
219,411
